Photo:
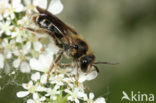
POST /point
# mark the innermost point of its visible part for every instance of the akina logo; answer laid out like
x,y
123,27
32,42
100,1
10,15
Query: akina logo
x,y
137,96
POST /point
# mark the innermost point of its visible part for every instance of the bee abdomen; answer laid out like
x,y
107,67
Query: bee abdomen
x,y
45,23
57,33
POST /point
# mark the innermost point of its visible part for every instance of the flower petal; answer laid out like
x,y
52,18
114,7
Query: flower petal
x,y
44,79
68,91
35,96
76,100
19,39
16,63
55,7
92,75
35,76
1,61
40,88
27,85
91,95
26,48
27,2
37,46
22,94
82,77
40,3
70,98
17,5
25,67
9,55
100,100
30,101
42,63
42,98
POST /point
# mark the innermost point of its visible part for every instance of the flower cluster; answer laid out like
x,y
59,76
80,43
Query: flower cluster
x,y
22,50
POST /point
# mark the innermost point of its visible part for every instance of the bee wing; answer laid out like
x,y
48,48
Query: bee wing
x,y
56,21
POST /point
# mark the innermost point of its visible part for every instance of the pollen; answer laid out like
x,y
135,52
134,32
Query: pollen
x,y
85,87
27,85
21,50
42,49
68,81
14,29
20,28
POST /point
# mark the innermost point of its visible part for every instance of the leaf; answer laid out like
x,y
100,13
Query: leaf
x,y
65,99
61,99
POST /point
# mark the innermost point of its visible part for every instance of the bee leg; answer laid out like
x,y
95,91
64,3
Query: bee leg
x,y
54,64
38,30
64,65
77,77
77,74
42,31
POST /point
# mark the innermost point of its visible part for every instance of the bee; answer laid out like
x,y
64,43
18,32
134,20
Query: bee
x,y
67,39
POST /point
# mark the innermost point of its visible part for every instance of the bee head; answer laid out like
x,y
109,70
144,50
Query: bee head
x,y
86,62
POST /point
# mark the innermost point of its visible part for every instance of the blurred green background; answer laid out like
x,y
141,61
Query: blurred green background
x,y
121,31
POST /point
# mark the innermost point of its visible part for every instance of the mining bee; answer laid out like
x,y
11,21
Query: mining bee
x,y
67,39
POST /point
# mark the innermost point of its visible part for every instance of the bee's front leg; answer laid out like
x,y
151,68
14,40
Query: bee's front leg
x,y
39,30
54,64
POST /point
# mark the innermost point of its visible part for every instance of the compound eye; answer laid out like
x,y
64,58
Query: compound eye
x,y
84,61
84,65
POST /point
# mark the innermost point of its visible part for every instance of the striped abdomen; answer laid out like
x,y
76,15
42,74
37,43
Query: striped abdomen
x,y
45,23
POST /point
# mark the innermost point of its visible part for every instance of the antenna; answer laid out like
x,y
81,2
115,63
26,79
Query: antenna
x,y
112,63
96,68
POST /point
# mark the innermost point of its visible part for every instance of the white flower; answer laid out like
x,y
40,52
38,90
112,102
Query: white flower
x,y
25,21
36,99
75,94
69,79
45,59
42,64
4,1
5,28
29,86
15,6
19,35
91,97
58,79
30,89
22,59
53,92
3,5
98,100
55,6
1,60
7,47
